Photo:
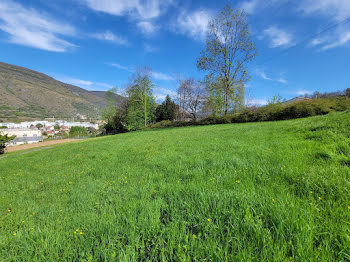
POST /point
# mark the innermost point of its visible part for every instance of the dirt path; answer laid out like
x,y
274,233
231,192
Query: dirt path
x,y
41,144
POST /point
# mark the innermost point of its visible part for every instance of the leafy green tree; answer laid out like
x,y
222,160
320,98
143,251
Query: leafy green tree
x,y
114,115
141,104
229,47
166,111
3,140
116,125
111,98
38,126
78,131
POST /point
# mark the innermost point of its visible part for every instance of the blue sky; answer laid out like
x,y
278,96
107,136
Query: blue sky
x,y
97,44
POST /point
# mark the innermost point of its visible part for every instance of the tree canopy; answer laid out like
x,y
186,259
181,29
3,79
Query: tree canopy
x,y
166,111
141,104
229,47
3,140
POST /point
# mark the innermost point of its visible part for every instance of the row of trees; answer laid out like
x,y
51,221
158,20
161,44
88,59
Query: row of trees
x,y
229,47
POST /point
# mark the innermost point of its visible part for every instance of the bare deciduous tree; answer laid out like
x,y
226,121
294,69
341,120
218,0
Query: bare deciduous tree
x,y
190,97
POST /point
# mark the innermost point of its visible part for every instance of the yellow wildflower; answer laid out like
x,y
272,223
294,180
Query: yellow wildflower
x,y
14,234
208,219
273,200
319,198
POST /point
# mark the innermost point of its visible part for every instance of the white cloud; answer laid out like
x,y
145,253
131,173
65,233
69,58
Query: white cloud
x,y
86,84
264,76
249,6
28,27
281,80
110,37
149,48
162,76
341,40
335,38
317,41
141,10
335,9
147,28
256,102
121,67
254,6
193,24
278,37
160,93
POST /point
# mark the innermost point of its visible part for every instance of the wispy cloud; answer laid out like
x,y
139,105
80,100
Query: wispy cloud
x,y
254,6
264,76
160,93
141,10
278,37
121,67
111,37
86,84
193,24
162,76
28,27
249,6
149,48
147,28
256,102
155,75
335,9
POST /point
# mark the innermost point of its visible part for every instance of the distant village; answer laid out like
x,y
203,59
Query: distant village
x,y
30,132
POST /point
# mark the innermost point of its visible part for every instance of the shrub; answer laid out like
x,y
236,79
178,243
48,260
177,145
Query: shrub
x,y
78,131
271,112
162,124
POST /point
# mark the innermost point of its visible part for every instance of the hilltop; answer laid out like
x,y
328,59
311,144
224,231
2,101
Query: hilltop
x,y
26,94
270,191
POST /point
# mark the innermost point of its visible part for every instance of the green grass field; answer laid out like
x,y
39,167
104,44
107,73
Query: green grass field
x,y
272,191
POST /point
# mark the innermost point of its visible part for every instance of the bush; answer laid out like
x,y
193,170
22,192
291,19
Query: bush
x,y
162,124
78,131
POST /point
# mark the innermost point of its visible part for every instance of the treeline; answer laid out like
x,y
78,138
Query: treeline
x,y
270,112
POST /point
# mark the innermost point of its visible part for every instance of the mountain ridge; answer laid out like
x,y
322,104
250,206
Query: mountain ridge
x,y
28,94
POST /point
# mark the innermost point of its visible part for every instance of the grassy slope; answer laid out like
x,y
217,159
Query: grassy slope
x,y
259,191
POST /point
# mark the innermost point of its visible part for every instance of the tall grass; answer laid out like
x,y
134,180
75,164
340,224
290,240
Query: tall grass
x,y
271,191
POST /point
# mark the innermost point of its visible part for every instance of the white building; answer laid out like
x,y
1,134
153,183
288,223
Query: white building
x,y
48,123
23,135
